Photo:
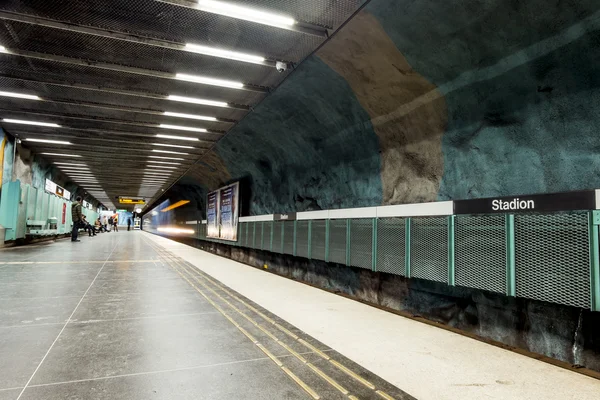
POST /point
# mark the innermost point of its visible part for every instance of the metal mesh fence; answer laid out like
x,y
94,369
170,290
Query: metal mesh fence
x,y
552,251
337,241
277,243
267,232
429,248
318,240
361,243
253,234
552,258
288,237
302,239
480,252
391,246
242,234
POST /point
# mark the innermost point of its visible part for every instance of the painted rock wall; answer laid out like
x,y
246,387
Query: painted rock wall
x,y
418,101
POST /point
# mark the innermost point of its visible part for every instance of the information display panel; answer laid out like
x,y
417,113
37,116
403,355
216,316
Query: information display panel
x,y
222,212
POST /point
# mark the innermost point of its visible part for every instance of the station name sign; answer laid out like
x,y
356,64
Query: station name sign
x,y
285,217
583,200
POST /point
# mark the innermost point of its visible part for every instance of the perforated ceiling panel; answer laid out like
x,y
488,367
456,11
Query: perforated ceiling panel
x,y
104,70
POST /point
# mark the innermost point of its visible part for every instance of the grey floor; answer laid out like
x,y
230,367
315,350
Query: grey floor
x,y
117,317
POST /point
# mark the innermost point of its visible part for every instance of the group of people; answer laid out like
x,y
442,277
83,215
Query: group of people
x,y
80,221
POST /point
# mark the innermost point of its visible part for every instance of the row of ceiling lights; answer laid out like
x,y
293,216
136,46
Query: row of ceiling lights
x,y
82,173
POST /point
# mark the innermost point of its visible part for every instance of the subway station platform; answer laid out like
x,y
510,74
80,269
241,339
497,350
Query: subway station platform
x,y
131,315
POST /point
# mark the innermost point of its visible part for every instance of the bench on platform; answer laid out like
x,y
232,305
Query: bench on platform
x,y
41,227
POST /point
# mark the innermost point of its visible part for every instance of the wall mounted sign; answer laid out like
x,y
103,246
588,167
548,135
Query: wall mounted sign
x,y
131,200
53,188
222,212
583,200
285,217
212,207
50,186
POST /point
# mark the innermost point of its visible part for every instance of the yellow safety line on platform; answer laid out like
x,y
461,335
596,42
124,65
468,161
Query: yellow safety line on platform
x,y
340,366
315,369
384,395
353,374
171,258
328,379
301,383
319,372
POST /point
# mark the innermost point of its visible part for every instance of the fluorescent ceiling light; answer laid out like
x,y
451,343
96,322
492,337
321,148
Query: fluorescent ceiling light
x,y
178,138
231,55
48,141
194,100
60,155
154,172
3,49
161,167
190,116
172,145
182,128
245,13
166,158
169,152
20,121
209,81
162,162
19,95
74,165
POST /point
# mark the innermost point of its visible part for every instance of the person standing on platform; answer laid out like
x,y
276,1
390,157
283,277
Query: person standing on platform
x,y
128,224
116,222
105,223
77,218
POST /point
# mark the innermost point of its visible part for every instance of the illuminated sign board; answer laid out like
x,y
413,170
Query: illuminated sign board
x,y
50,186
131,200
53,188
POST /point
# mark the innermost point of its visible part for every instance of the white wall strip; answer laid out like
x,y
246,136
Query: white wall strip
x,y
247,219
313,215
597,199
417,210
365,212
261,218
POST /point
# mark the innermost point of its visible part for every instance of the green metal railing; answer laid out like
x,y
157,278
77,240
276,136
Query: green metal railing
x,y
551,257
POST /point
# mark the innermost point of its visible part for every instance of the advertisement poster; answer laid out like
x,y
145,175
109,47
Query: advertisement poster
x,y
228,211
212,219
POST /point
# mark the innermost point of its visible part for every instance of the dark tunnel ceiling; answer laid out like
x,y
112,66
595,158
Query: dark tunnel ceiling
x,y
110,75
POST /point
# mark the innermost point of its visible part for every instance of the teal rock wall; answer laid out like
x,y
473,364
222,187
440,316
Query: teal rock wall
x,y
522,88
307,146
512,88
